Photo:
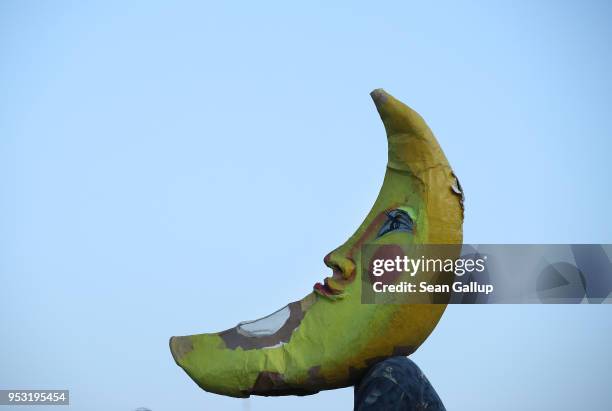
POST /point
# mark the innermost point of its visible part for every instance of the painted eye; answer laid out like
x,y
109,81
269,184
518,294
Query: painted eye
x,y
397,220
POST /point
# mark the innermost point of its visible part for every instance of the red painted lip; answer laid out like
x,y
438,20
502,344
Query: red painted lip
x,y
325,289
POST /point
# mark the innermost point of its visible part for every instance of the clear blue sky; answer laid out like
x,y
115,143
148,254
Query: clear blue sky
x,y
173,168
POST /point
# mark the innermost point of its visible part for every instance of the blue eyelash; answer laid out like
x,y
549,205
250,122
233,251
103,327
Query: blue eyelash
x,y
397,220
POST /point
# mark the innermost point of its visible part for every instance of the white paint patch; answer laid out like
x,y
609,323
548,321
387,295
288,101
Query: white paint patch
x,y
456,188
280,344
265,326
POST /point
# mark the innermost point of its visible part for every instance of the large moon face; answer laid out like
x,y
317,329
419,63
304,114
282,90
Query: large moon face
x,y
329,338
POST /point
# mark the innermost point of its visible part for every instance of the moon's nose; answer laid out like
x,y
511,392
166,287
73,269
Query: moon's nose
x,y
338,262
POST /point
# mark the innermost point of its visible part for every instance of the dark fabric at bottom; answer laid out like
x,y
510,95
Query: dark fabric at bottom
x,y
396,384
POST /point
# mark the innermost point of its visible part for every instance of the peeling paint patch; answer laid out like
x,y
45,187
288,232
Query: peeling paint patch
x,y
379,96
457,189
180,347
264,326
278,333
273,383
